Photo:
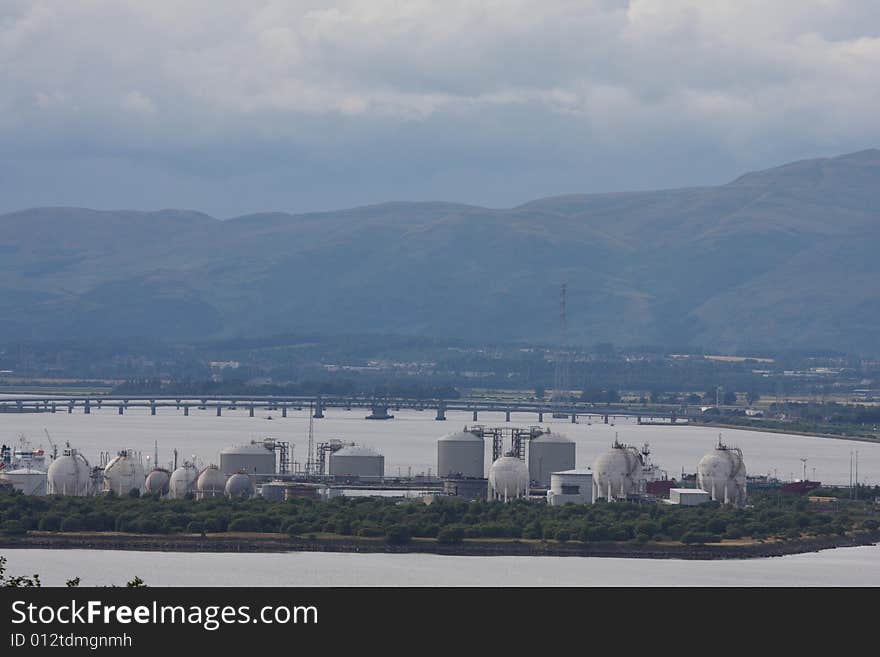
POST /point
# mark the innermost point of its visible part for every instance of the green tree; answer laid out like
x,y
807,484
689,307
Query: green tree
x,y
398,535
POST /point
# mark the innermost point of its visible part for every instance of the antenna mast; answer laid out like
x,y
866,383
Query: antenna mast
x,y
309,456
560,378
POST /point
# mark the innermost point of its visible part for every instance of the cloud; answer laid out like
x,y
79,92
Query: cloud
x,y
172,82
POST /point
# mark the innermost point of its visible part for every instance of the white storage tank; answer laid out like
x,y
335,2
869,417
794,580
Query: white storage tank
x,y
124,474
183,481
69,474
211,483
461,454
508,479
722,474
618,472
548,453
255,457
357,461
27,480
240,486
158,481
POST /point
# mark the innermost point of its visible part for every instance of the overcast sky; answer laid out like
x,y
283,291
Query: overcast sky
x,y
236,106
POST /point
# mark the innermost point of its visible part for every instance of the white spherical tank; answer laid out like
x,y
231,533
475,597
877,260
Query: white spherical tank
x,y
211,483
183,481
508,479
548,453
256,457
461,454
124,474
69,474
357,461
722,474
618,472
240,486
158,481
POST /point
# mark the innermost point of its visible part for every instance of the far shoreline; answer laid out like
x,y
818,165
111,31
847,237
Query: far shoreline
x,y
277,543
790,432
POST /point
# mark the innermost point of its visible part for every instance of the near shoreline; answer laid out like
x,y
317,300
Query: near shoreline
x,y
257,543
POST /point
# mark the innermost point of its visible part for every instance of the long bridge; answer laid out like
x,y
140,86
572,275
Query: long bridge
x,y
317,404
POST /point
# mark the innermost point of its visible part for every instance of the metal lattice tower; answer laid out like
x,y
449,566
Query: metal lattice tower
x,y
561,391
310,457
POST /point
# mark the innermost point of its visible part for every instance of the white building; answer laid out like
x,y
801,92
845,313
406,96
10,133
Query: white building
x,y
688,496
571,486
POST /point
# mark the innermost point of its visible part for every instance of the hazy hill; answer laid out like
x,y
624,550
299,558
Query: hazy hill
x,y
777,258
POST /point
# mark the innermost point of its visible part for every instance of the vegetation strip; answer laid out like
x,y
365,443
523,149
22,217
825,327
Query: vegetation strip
x,y
772,524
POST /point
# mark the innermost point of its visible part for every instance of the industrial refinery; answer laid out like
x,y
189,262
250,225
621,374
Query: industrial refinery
x,y
532,463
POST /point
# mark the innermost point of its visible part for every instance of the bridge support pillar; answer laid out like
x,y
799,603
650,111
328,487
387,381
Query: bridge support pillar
x,y
441,413
53,407
70,407
219,410
574,417
121,409
475,415
186,410
319,409
178,404
284,411
153,408
507,416
251,410
606,418
638,419
540,416
99,404
88,408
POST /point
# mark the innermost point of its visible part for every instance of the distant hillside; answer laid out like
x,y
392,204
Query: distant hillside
x,y
780,258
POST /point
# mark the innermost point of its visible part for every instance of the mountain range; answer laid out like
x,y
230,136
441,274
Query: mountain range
x,y
781,258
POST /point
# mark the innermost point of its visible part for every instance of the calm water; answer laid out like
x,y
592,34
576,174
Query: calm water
x,y
409,440
859,566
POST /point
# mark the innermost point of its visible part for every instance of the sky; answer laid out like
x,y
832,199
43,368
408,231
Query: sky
x,y
242,106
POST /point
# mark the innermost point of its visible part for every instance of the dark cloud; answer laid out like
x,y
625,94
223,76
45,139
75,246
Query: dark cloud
x,y
242,106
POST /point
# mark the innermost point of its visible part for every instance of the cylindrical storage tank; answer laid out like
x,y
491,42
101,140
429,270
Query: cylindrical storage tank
x,y
618,472
69,474
158,481
722,474
273,491
253,458
28,481
183,481
124,474
211,483
240,486
461,454
548,453
508,479
357,461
